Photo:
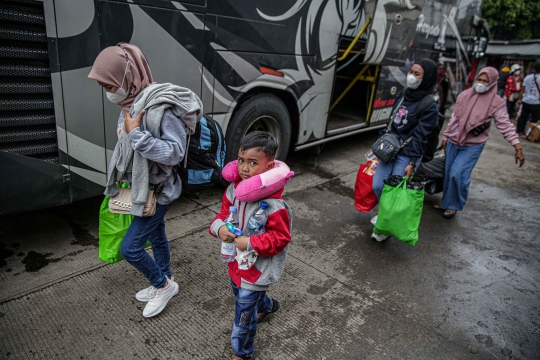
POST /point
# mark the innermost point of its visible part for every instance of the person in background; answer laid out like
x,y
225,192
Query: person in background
x,y
501,84
513,88
530,99
407,124
466,135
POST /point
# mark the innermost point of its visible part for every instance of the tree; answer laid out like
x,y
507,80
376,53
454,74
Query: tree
x,y
512,19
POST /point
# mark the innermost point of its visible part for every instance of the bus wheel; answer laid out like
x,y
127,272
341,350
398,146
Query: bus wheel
x,y
264,112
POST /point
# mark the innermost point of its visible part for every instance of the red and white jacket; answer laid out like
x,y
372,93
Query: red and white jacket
x,y
512,86
271,246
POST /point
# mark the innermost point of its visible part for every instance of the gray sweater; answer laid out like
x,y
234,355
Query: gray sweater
x,y
168,150
140,157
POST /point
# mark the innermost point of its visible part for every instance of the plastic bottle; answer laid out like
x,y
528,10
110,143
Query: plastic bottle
x,y
228,249
257,221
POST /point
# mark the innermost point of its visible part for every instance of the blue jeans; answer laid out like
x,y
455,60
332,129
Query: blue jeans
x,y
385,170
141,230
248,304
459,165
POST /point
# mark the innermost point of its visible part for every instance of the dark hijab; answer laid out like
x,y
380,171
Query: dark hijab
x,y
428,81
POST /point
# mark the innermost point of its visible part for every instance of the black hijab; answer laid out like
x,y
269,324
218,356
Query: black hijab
x,y
428,81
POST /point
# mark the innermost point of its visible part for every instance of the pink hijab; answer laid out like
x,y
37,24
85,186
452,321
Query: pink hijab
x,y
110,66
473,109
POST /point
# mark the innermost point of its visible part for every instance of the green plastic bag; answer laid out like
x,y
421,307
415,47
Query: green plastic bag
x,y
112,228
400,211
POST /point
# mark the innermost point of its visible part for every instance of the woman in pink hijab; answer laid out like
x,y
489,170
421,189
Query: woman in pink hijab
x,y
124,74
466,135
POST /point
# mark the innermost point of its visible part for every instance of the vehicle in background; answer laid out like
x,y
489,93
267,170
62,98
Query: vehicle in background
x,y
306,71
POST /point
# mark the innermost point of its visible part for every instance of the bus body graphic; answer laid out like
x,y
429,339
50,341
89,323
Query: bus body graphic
x,y
291,68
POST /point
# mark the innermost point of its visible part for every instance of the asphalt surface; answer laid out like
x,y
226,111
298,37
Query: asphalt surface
x,y
467,290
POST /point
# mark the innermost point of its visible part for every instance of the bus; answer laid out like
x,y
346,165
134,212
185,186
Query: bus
x,y
308,71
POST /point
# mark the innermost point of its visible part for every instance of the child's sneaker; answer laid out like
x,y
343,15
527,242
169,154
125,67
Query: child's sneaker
x,y
145,294
373,220
275,307
160,298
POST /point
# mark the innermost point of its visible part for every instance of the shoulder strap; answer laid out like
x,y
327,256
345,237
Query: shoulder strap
x,y
536,83
423,105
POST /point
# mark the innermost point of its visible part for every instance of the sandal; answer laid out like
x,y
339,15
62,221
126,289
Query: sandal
x,y
437,207
449,213
275,307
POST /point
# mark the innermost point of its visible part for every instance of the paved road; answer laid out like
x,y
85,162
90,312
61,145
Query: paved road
x,y
467,290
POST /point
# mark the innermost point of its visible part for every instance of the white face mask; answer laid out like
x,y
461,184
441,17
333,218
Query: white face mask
x,y
517,73
413,82
481,88
120,94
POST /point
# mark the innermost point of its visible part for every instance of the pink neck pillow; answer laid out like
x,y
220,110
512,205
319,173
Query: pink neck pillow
x,y
261,186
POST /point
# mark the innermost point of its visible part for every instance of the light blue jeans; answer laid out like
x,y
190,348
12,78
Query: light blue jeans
x,y
459,165
141,230
385,170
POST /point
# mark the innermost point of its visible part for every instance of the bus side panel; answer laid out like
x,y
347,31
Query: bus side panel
x,y
257,26
78,39
30,184
392,80
171,40
308,30
392,30
31,165
240,73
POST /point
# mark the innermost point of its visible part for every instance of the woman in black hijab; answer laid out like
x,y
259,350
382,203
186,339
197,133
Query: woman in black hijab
x,y
411,127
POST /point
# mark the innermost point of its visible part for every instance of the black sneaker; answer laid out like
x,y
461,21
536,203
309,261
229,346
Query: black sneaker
x,y
275,307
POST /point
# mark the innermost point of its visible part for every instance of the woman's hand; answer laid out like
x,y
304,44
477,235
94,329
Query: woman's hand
x,y
520,158
132,123
409,170
443,144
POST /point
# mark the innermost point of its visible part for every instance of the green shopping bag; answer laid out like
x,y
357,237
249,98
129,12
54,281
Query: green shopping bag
x,y
112,228
400,211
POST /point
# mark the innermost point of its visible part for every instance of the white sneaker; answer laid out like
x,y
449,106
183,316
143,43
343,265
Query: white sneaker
x,y
159,299
145,294
373,220
378,237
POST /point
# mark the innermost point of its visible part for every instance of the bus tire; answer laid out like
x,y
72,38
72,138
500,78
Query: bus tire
x,y
261,112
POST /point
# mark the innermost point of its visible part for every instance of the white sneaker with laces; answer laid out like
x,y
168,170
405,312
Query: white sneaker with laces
x,y
378,237
373,220
159,299
145,294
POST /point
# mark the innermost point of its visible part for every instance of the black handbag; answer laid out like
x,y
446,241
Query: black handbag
x,y
389,144
481,128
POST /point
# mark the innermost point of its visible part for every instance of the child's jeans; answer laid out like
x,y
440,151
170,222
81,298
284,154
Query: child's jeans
x,y
141,230
248,304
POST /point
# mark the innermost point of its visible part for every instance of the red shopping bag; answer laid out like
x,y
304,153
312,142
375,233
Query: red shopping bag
x,y
364,197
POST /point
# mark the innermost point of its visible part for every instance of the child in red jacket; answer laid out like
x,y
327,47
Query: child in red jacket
x,y
255,156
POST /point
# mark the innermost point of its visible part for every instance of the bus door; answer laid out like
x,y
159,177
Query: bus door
x,y
358,86
354,86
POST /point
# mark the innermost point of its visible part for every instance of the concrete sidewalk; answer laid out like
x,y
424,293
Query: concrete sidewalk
x,y
467,290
